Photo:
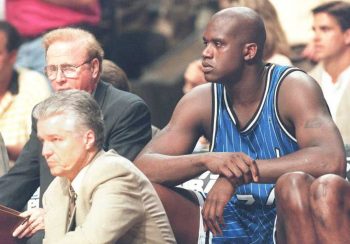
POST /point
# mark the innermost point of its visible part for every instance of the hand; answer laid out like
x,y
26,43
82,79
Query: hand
x,y
34,223
236,167
214,205
309,52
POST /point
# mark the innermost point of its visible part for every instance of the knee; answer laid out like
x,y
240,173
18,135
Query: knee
x,y
327,192
292,191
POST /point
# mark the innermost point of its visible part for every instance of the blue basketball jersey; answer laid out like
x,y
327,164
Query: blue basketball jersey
x,y
250,214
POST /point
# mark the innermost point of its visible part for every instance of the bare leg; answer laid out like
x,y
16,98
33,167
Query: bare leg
x,y
330,201
183,213
294,216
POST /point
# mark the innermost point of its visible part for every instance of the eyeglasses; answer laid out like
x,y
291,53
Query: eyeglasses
x,y
68,70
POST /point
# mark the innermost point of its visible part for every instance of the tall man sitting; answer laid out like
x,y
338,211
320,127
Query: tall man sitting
x,y
74,59
97,196
262,120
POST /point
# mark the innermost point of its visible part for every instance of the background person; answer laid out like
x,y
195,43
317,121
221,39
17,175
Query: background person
x,y
34,18
113,74
332,48
17,96
276,49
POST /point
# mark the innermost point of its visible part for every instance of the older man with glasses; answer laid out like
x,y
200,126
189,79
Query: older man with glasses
x,y
74,60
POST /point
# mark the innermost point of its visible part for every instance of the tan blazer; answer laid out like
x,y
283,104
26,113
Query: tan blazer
x,y
116,203
342,118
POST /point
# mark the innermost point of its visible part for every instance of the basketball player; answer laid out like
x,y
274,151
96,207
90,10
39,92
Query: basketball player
x,y
263,120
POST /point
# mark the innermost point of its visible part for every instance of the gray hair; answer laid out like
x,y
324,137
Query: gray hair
x,y
79,104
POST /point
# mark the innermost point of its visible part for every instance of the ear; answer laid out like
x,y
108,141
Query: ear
x,y
89,139
250,50
95,67
347,36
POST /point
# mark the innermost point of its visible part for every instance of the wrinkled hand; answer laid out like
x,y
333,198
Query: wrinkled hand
x,y
34,223
238,168
214,205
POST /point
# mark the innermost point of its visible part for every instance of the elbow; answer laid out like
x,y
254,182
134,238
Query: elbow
x,y
145,168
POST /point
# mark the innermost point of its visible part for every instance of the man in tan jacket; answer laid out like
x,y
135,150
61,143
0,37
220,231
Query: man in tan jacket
x,y
97,196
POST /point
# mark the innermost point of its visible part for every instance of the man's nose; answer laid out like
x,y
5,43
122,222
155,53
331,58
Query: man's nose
x,y
46,152
207,52
60,78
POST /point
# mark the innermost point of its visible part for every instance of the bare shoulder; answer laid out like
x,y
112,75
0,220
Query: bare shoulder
x,y
300,80
196,103
300,94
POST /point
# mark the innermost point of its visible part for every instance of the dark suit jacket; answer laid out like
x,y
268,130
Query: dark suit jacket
x,y
127,130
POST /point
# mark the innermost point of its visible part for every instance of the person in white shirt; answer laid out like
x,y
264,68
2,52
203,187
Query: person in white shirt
x,y
313,209
332,48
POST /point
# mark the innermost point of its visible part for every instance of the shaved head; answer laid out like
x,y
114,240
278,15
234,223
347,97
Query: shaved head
x,y
243,23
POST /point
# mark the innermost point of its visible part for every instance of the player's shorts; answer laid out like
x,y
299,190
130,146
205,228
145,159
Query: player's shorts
x,y
207,237
203,236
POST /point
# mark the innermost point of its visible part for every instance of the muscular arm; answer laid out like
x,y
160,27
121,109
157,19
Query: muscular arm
x,y
304,110
159,160
168,158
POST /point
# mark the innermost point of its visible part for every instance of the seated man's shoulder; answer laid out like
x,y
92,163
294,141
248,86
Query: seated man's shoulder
x,y
115,95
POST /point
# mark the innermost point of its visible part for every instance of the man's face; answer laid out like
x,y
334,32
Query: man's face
x,y
64,146
7,59
329,38
222,55
65,54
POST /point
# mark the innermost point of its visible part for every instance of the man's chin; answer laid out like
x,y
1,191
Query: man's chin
x,y
209,78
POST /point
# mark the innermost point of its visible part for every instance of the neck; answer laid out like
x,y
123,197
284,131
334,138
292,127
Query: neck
x,y
249,87
335,66
80,165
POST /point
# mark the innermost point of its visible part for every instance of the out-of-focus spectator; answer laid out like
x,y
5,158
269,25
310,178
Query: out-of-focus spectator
x,y
113,74
33,18
193,77
20,91
276,49
4,159
332,48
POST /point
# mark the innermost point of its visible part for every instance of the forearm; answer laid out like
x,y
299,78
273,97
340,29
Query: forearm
x,y
171,170
316,161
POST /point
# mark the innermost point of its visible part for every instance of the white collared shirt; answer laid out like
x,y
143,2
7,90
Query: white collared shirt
x,y
333,91
76,183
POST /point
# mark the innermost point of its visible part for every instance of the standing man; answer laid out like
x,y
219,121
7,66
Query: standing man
x,y
262,121
74,62
310,209
97,196
332,49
